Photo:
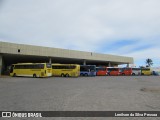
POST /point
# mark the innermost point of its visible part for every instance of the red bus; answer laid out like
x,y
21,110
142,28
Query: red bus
x,y
101,71
126,71
113,71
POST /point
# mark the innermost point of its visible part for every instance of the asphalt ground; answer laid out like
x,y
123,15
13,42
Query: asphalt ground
x,y
101,93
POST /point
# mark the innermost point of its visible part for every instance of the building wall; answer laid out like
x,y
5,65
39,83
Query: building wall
x,y
11,48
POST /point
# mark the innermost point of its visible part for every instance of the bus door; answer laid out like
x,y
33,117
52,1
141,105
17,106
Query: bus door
x,y
92,70
49,69
108,71
92,73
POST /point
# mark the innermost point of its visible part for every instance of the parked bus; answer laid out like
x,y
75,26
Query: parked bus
x,y
101,71
31,69
88,70
113,71
146,71
125,71
136,71
66,70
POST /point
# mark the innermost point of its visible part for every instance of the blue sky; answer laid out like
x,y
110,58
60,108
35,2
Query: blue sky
x,y
120,27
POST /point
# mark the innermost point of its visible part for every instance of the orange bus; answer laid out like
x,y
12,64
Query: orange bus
x,y
126,71
113,71
101,71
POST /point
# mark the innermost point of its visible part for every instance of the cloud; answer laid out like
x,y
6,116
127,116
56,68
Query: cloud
x,y
123,27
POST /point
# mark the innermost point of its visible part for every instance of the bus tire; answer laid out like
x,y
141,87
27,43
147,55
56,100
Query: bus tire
x,y
81,74
123,74
14,75
34,75
67,75
85,74
142,74
62,75
133,74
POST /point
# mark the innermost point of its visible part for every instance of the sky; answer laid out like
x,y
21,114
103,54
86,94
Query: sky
x,y
119,27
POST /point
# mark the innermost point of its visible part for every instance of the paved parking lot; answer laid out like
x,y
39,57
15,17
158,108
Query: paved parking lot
x,y
107,93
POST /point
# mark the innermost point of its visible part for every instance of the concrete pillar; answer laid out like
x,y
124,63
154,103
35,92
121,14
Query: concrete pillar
x,y
50,60
109,64
127,65
1,63
84,62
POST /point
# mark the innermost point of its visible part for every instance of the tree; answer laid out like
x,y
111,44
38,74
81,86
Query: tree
x,y
149,62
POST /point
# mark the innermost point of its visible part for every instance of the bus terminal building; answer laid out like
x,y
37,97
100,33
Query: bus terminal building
x,y
11,53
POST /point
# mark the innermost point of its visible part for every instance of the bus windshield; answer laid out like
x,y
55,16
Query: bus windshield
x,y
11,69
49,65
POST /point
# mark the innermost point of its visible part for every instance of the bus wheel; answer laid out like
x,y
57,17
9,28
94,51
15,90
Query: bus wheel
x,y
67,75
14,75
142,74
123,74
34,75
81,74
86,74
62,75
133,74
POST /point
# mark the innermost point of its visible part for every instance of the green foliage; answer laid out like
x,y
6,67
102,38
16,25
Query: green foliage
x,y
149,62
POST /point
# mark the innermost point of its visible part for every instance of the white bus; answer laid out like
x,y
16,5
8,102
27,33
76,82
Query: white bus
x,y
136,71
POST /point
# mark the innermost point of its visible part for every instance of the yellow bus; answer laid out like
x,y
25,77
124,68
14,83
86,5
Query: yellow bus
x,y
31,69
146,71
66,70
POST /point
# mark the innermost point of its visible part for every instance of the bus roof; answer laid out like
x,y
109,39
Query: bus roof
x,y
27,63
113,67
63,64
87,65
